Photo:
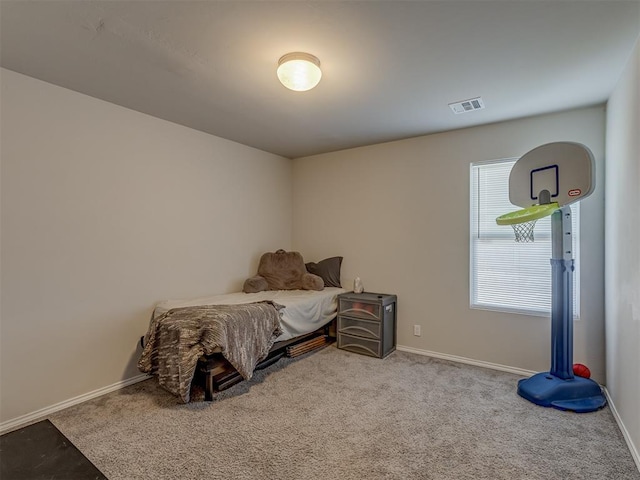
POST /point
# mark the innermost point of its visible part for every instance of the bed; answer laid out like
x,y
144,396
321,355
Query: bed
x,y
207,339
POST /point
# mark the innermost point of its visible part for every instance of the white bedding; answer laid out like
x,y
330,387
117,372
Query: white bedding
x,y
304,312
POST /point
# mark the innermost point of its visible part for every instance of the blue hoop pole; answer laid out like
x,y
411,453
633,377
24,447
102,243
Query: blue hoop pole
x,y
562,267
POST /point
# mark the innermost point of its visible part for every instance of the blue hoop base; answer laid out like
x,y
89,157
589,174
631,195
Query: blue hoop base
x,y
576,394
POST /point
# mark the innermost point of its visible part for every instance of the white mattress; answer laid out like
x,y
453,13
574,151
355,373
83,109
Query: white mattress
x,y
304,312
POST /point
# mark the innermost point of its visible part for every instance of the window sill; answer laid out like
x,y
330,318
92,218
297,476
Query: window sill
x,y
515,311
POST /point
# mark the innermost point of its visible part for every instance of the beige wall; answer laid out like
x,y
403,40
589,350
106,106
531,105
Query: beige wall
x,y
622,274
104,212
399,214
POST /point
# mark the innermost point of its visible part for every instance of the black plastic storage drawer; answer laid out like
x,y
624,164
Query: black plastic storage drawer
x,y
367,323
359,345
362,328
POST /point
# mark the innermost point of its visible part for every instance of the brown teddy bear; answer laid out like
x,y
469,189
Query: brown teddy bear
x,y
282,270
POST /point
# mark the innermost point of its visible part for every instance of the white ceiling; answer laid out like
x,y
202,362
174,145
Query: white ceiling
x,y
389,68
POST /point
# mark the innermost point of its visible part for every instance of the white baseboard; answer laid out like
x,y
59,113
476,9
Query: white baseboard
x,y
625,433
32,417
468,361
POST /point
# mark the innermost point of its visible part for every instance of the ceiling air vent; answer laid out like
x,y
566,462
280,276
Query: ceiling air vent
x,y
467,105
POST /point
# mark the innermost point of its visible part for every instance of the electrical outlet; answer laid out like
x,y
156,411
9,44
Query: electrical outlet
x,y
416,330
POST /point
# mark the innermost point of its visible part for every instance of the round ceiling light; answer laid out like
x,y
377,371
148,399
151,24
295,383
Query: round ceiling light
x,y
299,71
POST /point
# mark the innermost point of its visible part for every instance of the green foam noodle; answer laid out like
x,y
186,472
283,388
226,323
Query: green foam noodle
x,y
529,214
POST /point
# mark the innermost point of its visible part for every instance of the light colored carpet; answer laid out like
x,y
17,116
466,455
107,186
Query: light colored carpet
x,y
332,414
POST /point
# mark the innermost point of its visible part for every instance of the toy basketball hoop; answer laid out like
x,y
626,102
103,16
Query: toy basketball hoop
x,y
523,221
544,182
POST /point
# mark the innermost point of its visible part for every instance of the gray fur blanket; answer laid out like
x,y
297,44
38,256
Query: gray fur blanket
x,y
178,338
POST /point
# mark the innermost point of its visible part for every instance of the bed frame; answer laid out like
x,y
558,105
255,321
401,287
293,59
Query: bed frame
x,y
215,373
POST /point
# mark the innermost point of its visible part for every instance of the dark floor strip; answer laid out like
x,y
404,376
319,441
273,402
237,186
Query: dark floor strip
x,y
41,451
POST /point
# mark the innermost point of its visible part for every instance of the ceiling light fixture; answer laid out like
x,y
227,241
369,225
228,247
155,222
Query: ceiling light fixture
x,y
299,71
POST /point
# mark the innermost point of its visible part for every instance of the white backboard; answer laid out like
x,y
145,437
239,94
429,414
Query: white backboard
x,y
564,169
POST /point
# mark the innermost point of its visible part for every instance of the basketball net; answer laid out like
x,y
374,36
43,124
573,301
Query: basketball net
x,y
524,231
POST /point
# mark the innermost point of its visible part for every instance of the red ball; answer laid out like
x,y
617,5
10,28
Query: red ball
x,y
581,370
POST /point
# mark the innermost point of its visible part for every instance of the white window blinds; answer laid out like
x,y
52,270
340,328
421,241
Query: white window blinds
x,y
506,275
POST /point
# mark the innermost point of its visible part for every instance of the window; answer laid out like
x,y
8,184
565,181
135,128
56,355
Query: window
x,y
506,275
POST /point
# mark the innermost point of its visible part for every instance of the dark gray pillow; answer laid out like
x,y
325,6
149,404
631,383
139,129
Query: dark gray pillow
x,y
327,269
